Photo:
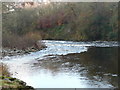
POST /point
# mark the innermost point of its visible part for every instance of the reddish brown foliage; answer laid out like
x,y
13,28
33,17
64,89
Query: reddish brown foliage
x,y
52,21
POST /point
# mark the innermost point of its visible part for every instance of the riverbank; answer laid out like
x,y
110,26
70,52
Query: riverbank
x,y
6,51
13,83
8,82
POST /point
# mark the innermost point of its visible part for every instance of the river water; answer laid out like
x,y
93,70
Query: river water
x,y
67,64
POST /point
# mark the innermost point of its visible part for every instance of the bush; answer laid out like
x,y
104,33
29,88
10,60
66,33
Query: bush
x,y
112,36
4,70
20,42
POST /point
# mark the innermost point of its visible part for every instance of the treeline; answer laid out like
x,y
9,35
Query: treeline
x,y
62,21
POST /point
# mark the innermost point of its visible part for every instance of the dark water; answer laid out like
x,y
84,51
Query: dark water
x,y
97,64
68,65
101,64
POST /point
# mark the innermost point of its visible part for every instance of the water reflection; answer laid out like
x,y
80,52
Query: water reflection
x,y
67,64
97,64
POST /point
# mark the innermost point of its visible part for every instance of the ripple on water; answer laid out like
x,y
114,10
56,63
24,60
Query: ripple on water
x,y
43,69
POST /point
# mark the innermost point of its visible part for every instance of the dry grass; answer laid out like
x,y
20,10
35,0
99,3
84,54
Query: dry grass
x,y
4,70
20,42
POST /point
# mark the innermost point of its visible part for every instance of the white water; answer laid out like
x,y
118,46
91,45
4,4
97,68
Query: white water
x,y
22,67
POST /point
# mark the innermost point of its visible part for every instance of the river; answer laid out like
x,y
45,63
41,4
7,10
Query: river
x,y
68,64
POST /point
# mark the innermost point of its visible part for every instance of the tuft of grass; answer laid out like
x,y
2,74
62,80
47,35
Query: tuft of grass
x,y
4,70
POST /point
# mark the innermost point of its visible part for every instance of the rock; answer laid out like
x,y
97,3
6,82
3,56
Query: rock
x,y
12,79
22,83
7,79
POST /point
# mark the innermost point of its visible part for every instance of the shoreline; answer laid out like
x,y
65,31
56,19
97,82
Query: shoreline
x,y
6,81
14,83
14,51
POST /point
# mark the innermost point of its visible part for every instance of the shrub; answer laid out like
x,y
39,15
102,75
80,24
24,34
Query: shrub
x,y
20,42
4,70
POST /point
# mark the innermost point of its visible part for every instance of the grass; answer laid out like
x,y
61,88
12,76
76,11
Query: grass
x,y
8,83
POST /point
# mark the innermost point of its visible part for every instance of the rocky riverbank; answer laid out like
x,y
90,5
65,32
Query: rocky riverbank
x,y
13,83
8,82
15,51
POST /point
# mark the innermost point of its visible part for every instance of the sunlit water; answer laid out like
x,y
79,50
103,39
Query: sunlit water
x,y
64,64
